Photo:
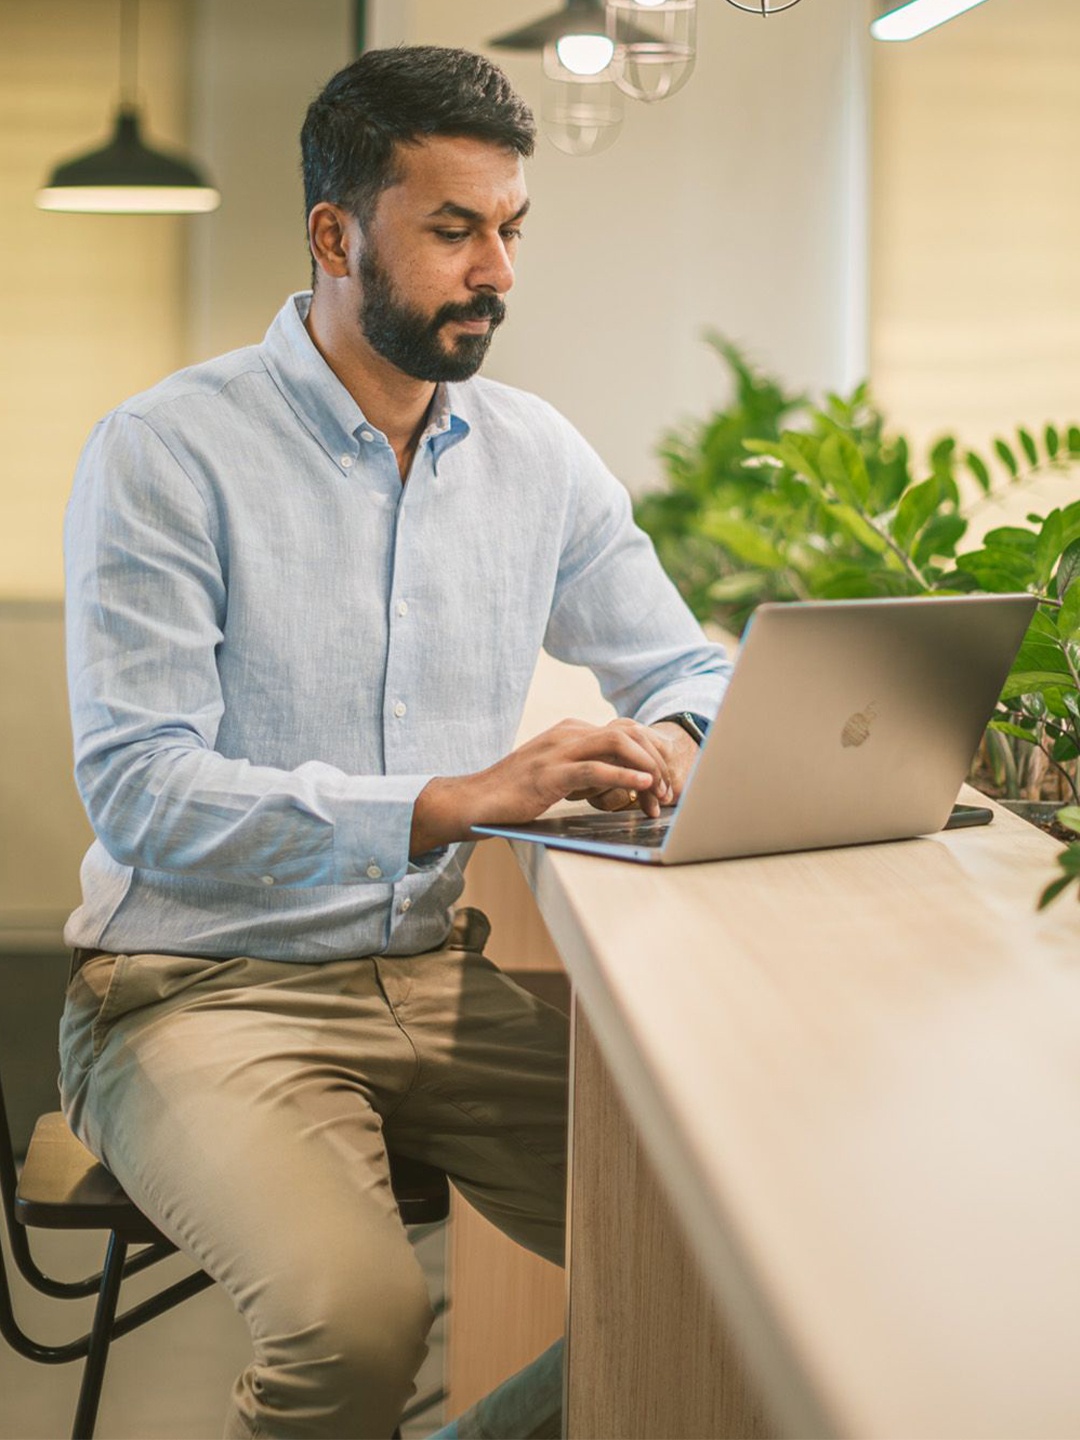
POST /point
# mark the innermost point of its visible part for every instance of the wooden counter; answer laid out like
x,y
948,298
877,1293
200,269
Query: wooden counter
x,y
857,1075
826,1160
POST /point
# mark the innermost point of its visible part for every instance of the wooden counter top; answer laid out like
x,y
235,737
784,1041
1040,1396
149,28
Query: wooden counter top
x,y
858,1074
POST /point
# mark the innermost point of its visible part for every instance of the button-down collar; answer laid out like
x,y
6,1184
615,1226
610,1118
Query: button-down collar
x,y
324,406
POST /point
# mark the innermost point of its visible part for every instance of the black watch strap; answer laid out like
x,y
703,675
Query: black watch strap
x,y
696,726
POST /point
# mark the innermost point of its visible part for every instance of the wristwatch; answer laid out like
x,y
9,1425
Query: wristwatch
x,y
696,726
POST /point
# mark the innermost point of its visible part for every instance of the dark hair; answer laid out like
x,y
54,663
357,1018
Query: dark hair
x,y
391,97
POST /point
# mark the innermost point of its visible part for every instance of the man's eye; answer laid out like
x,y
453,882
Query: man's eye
x,y
513,233
452,235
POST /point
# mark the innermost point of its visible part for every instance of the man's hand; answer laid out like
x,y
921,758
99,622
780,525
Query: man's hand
x,y
680,751
572,760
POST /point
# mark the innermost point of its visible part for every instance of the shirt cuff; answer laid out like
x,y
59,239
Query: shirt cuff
x,y
371,838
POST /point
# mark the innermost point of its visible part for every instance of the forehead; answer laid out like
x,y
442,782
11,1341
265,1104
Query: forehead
x,y
455,170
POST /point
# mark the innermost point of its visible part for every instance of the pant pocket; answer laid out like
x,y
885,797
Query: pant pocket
x,y
87,998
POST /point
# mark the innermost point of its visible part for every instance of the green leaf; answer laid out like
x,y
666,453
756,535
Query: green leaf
x,y
743,540
1073,434
741,585
1048,547
939,538
792,451
1006,727
915,509
1027,440
1053,441
1041,649
1068,617
1053,890
859,529
1068,568
1001,570
1010,537
978,468
942,452
1007,458
844,470
1070,817
1064,749
1027,682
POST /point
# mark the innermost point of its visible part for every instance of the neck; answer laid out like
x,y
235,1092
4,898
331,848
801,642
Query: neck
x,y
392,401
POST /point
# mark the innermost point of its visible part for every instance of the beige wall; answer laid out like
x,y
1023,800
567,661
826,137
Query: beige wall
x,y
257,64
976,214
737,204
92,306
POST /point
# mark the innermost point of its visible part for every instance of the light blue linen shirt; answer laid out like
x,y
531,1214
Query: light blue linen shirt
x,y
273,645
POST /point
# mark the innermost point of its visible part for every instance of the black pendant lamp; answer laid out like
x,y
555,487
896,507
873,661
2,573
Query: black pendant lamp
x,y
127,176
577,17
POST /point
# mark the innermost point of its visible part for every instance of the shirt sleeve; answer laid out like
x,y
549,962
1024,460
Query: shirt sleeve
x,y
146,605
616,611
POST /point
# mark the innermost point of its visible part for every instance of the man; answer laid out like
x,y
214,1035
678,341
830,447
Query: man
x,y
307,586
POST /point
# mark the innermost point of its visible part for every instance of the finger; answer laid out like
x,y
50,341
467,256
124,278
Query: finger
x,y
612,800
617,800
631,744
658,748
590,778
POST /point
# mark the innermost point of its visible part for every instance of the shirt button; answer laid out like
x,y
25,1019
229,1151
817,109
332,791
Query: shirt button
x,y
400,709
268,879
405,906
373,872
366,435
346,462
402,607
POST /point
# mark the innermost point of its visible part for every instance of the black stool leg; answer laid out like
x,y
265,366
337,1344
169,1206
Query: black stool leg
x,y
100,1336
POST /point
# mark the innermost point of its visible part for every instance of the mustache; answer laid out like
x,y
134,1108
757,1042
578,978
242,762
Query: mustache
x,y
482,307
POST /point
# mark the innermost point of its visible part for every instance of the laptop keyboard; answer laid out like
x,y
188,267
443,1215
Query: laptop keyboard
x,y
624,829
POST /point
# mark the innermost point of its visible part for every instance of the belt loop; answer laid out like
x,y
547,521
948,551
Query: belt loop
x,y
79,958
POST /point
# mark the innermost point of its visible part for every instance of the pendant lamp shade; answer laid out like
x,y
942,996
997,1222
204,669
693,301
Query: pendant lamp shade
x,y
127,177
577,17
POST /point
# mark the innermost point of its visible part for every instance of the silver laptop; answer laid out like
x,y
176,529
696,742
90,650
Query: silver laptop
x,y
845,721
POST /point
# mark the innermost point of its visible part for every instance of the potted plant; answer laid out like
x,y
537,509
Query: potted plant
x,y
835,506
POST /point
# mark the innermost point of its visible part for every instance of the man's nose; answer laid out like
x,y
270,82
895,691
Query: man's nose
x,y
494,270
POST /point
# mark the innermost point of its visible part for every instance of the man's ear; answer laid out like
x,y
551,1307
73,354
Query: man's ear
x,y
332,234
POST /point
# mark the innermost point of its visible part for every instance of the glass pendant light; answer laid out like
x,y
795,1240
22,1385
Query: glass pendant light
x,y
654,45
126,176
581,110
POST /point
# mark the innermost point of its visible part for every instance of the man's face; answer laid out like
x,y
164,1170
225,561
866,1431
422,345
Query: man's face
x,y
437,256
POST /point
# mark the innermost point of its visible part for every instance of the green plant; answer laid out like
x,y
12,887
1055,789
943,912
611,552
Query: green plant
x,y
838,507
1068,860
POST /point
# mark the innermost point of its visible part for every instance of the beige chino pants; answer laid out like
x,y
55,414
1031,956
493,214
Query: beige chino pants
x,y
245,1105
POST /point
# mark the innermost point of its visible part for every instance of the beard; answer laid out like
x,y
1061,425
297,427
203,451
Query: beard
x,y
412,340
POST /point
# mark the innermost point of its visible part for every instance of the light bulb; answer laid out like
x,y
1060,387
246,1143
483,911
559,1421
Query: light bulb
x,y
584,54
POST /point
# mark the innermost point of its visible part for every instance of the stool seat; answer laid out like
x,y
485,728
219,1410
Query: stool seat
x,y
63,1187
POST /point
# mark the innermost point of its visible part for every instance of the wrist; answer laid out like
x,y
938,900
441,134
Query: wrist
x,y
438,815
696,726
